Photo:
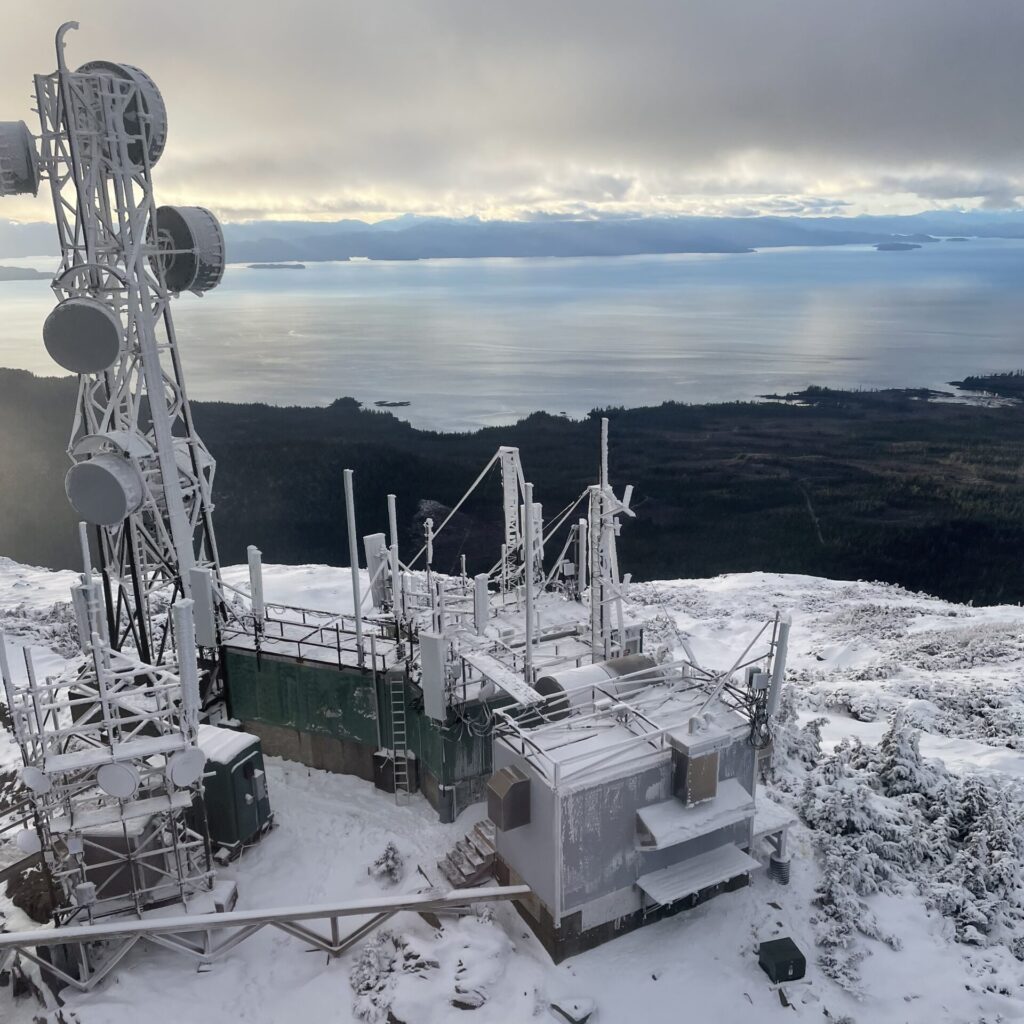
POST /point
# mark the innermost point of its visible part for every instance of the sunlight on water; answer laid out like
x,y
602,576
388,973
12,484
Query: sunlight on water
x,y
477,342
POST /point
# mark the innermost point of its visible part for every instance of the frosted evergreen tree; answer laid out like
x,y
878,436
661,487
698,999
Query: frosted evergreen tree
x,y
901,769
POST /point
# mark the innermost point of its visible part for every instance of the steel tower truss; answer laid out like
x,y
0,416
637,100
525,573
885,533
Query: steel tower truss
x,y
113,772
102,129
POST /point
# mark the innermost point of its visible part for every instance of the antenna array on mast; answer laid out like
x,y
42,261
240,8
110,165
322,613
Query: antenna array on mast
x,y
141,476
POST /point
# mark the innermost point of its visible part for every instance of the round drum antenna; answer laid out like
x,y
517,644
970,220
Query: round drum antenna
x,y
82,335
145,116
191,246
104,489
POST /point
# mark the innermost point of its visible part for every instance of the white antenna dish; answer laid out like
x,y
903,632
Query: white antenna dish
x,y
35,780
82,335
191,248
104,489
19,163
27,840
118,780
186,767
151,126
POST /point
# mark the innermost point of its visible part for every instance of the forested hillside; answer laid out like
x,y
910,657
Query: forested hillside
x,y
882,486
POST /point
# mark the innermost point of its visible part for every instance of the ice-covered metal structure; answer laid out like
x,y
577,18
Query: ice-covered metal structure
x,y
631,792
140,474
109,748
112,768
404,692
619,788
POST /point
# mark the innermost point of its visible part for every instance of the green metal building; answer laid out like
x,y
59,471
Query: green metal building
x,y
338,717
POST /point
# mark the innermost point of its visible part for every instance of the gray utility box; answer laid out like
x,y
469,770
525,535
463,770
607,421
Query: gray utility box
x,y
508,798
695,762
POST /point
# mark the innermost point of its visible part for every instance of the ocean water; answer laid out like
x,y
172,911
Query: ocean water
x,y
470,343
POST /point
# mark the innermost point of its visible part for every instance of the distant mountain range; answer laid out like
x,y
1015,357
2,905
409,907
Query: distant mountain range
x,y
410,237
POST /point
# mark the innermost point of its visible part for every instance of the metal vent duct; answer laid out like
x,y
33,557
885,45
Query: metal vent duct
x,y
19,162
104,489
83,335
145,117
191,248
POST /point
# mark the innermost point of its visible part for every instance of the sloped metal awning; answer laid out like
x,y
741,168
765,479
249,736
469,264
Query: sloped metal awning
x,y
672,822
691,876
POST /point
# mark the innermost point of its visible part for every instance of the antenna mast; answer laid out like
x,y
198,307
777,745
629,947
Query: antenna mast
x,y
140,476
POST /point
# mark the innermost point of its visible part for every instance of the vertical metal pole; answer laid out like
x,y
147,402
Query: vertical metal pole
x,y
428,530
582,557
439,625
528,582
353,557
397,595
604,452
596,588
779,663
83,539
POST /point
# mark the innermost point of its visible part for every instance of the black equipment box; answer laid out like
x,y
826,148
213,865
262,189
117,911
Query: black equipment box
x,y
781,960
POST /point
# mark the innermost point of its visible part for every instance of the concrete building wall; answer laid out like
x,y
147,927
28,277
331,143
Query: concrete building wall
x,y
599,853
601,858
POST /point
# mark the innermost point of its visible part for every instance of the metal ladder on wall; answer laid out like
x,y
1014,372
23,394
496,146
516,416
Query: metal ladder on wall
x,y
399,739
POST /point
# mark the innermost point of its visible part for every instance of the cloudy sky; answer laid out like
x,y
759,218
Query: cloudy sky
x,y
322,109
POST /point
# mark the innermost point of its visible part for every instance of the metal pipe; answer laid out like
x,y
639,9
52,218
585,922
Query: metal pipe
x,y
528,580
779,663
397,595
353,557
83,539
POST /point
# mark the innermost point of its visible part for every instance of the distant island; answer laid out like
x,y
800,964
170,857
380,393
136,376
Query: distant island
x,y
1006,385
22,274
413,237
958,238
896,246
277,266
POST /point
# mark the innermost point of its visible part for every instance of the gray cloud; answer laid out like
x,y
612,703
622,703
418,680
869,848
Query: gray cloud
x,y
337,108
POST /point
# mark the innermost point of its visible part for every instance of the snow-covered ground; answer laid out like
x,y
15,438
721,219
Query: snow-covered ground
x,y
859,653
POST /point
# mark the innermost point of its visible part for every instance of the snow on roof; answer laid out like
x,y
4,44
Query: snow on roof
x,y
222,746
614,739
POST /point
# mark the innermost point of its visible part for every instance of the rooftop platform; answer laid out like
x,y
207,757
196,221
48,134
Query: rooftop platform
x,y
607,734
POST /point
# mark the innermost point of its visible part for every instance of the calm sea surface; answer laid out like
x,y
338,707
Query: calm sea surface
x,y
481,342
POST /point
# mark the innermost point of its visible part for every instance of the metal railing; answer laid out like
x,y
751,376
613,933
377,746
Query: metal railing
x,y
317,635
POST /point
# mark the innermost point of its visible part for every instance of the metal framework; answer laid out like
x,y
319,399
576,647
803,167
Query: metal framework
x,y
664,698
194,936
102,129
113,773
